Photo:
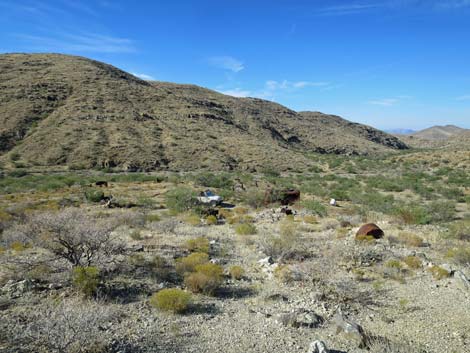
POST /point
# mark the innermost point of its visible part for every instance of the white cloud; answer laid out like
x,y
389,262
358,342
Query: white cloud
x,y
276,85
349,9
453,4
143,76
87,42
463,98
237,92
227,63
386,102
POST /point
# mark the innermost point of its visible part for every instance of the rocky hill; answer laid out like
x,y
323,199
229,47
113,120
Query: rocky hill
x,y
439,132
65,110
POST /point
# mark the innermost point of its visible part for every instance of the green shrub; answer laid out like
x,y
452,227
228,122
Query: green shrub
x,y
211,220
200,245
188,264
459,230
439,273
460,256
211,180
413,214
245,229
254,198
86,279
315,207
171,299
152,218
181,199
136,235
92,195
441,211
192,219
206,279
19,246
413,262
236,272
410,239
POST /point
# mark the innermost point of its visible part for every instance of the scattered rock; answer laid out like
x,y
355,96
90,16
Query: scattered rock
x,y
266,261
463,279
318,347
350,328
300,318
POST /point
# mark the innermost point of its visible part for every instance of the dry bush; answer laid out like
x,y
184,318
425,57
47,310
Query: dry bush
x,y
383,345
166,226
413,262
211,220
460,256
439,273
188,264
206,279
70,235
192,219
173,299
200,244
236,272
71,326
410,239
245,229
287,245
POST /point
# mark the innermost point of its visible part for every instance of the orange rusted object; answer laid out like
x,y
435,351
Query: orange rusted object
x,y
371,229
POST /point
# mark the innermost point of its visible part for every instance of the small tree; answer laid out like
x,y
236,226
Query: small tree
x,y
70,235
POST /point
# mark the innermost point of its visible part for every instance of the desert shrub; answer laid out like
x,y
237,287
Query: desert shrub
x,y
149,218
287,245
39,272
413,214
410,239
192,219
206,279
438,272
181,199
413,262
171,299
240,210
393,264
86,279
284,274
315,207
460,256
136,235
146,202
245,229
365,238
188,264
92,195
236,272
253,198
200,245
459,230
68,326
19,246
441,211
211,180
310,219
70,235
211,220
225,213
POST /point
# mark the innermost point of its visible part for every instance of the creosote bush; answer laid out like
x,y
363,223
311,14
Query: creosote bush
x,y
245,229
236,272
413,262
438,272
200,244
86,279
171,299
92,195
206,279
188,264
315,207
181,199
410,239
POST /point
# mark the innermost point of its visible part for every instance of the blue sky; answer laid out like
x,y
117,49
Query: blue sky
x,y
386,63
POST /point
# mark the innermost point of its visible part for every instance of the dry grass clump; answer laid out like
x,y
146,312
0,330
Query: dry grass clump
x,y
188,264
365,238
206,279
236,272
171,299
460,230
211,220
86,279
310,219
245,229
192,219
287,245
413,262
460,255
410,239
200,244
439,273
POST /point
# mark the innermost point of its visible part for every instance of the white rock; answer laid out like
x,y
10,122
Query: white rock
x,y
333,202
318,347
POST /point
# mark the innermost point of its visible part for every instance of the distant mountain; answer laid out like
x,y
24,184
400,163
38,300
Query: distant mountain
x,y
439,132
400,131
60,110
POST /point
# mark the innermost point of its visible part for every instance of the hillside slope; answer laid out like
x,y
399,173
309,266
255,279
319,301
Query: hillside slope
x,y
65,110
439,132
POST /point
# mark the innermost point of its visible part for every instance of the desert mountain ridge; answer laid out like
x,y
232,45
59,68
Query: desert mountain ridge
x,y
61,110
439,132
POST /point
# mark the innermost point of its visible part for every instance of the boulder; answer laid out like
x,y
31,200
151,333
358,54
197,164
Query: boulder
x,y
370,229
318,347
300,318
